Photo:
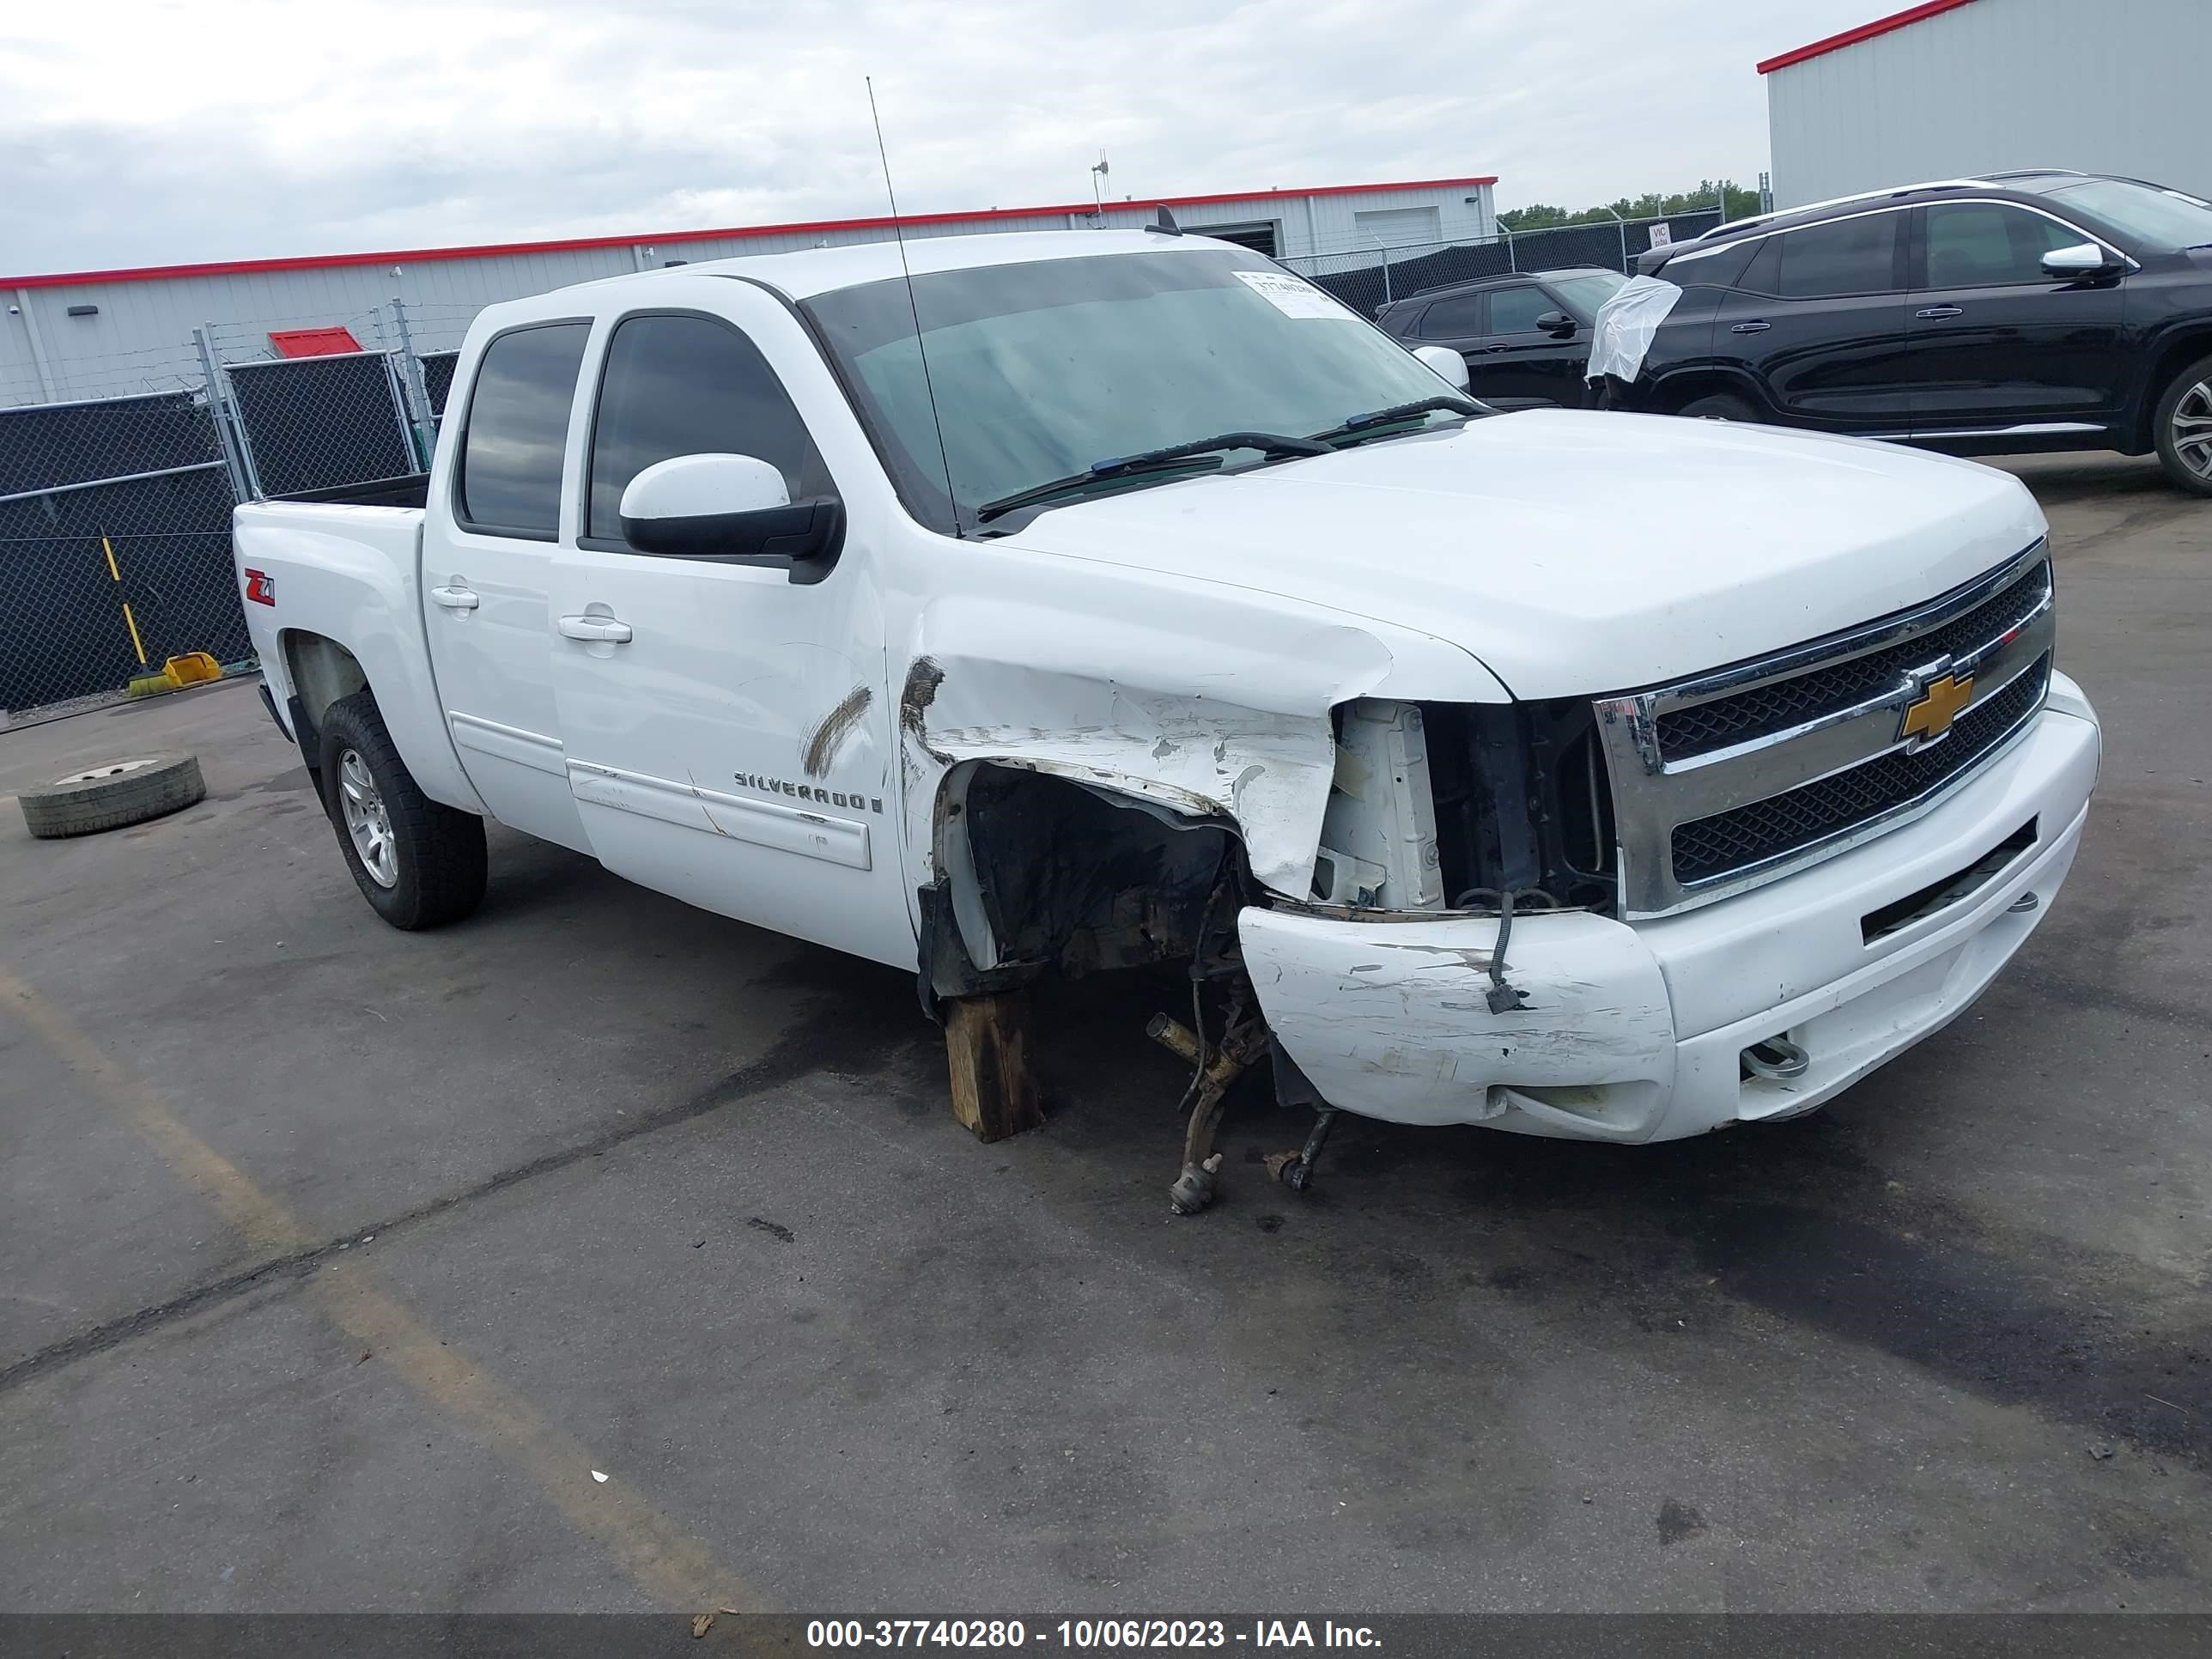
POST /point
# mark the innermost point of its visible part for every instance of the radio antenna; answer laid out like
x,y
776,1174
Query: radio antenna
x,y
898,233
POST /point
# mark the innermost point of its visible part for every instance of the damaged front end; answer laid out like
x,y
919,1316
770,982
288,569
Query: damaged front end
x,y
1219,830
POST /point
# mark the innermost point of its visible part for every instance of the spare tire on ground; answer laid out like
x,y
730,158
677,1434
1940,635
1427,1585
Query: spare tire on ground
x,y
113,794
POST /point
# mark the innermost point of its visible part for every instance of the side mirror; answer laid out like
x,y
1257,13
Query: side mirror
x,y
732,507
2082,259
1557,322
1446,362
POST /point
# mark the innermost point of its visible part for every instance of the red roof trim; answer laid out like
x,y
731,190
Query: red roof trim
x,y
325,261
1863,32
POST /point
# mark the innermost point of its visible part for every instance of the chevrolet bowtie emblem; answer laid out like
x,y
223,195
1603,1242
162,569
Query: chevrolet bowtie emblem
x,y
1941,700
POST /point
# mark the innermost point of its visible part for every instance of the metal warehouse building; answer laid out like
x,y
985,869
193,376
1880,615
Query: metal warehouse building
x,y
1956,87
107,333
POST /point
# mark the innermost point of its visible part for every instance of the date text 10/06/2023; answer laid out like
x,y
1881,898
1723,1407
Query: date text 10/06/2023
x,y
1087,1634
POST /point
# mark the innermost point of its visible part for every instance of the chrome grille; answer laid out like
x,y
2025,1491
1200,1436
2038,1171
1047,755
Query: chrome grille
x,y
1745,837
1702,728
1740,775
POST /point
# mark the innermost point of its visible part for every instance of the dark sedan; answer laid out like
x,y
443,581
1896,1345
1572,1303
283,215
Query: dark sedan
x,y
1526,336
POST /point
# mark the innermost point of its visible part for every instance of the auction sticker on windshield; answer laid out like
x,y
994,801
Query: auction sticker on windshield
x,y
1290,296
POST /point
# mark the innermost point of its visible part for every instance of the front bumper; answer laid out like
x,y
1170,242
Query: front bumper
x,y
1634,1033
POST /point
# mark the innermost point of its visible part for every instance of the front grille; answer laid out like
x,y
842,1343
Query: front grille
x,y
1746,837
1780,705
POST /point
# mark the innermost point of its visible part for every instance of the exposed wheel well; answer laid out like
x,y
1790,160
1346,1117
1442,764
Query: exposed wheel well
x,y
2177,356
1042,874
321,671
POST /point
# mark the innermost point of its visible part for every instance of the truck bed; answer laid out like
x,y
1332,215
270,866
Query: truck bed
x,y
408,490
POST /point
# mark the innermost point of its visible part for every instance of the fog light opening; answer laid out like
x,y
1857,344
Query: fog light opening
x,y
1776,1058
2022,905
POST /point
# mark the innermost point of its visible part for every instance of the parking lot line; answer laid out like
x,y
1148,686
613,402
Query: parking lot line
x,y
664,1560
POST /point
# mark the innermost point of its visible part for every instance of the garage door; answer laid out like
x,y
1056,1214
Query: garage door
x,y
1397,227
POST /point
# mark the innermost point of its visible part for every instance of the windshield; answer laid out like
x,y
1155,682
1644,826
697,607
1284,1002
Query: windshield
x,y
1045,370
2157,218
1584,294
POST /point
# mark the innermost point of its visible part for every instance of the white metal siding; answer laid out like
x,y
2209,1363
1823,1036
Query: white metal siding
x,y
2102,85
141,338
1398,227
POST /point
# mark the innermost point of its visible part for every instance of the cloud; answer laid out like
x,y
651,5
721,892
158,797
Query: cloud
x,y
161,138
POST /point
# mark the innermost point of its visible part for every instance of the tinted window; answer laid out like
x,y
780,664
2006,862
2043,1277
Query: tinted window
x,y
1850,256
1986,244
1764,275
1583,295
1452,319
518,425
2162,218
1515,309
686,386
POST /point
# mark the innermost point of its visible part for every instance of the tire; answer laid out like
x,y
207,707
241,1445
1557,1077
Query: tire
x,y
1719,406
2183,428
418,864
112,795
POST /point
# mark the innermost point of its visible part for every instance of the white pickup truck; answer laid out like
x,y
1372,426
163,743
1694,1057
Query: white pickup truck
x,y
1110,597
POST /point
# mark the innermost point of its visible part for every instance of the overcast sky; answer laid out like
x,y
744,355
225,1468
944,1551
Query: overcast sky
x,y
144,132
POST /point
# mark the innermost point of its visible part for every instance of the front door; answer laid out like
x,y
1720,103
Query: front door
x,y
486,613
1528,364
1819,319
1997,341
729,733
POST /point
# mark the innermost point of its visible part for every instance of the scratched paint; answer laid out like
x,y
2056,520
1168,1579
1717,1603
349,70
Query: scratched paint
x,y
839,724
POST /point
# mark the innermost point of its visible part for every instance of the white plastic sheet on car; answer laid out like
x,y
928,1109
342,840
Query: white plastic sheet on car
x,y
1625,325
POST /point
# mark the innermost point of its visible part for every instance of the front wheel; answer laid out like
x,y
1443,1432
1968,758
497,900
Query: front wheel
x,y
419,864
1719,406
2183,424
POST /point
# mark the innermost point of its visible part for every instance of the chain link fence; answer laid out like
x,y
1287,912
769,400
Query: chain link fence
x,y
114,544
1367,279
115,511
313,422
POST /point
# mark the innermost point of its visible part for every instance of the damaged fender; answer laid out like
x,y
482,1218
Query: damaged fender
x,y
1223,729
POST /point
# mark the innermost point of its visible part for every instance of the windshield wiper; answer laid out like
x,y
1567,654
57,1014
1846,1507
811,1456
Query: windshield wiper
x,y
1443,402
1200,454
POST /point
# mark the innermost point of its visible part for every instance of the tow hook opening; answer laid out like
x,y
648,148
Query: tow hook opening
x,y
1776,1058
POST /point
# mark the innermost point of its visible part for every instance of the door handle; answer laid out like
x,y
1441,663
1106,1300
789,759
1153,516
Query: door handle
x,y
1750,328
1940,310
598,630
1497,348
454,597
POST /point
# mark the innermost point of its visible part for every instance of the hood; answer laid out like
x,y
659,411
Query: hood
x,y
1576,552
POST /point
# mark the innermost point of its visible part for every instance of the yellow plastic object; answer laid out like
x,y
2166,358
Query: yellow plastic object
x,y
150,685
191,667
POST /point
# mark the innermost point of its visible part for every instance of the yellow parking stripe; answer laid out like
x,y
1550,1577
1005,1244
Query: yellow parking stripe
x,y
669,1564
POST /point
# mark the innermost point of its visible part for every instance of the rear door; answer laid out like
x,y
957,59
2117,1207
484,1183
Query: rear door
x,y
486,567
735,748
1998,343
1455,320
1819,320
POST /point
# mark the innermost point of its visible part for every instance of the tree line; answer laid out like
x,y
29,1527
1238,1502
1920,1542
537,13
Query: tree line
x,y
1740,203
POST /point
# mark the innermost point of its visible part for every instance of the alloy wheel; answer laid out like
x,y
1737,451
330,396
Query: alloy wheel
x,y
2193,428
367,820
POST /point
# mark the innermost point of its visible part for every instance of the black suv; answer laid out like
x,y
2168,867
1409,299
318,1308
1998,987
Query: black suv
x,y
1525,337
2019,311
